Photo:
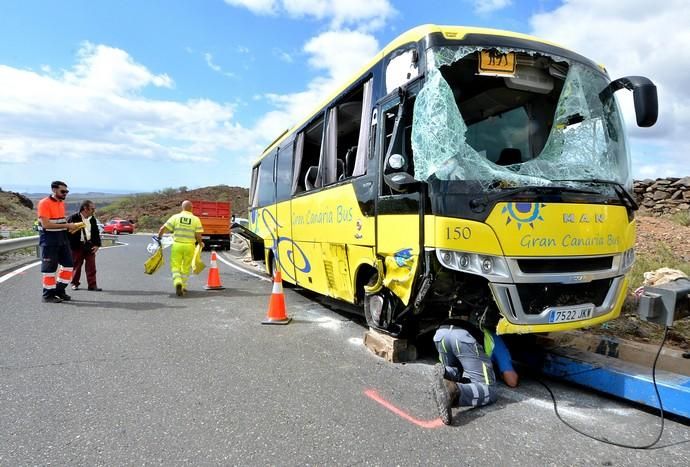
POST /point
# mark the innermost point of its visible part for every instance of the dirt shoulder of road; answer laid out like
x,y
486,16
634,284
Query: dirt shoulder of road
x,y
661,242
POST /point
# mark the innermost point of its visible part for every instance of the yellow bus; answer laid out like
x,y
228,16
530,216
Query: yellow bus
x,y
462,169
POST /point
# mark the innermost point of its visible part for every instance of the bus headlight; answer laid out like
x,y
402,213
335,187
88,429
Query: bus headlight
x,y
494,268
628,260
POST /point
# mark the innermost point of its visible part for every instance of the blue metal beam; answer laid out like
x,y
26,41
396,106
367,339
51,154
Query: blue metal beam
x,y
619,378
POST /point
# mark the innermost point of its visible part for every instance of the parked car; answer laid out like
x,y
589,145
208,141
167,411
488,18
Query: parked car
x,y
118,226
100,227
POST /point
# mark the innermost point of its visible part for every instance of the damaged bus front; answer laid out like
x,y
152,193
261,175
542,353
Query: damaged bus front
x,y
509,156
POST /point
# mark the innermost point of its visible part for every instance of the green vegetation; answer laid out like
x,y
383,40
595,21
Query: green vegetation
x,y
682,218
660,258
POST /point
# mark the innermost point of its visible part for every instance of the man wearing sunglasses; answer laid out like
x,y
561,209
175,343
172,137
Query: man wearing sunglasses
x,y
54,244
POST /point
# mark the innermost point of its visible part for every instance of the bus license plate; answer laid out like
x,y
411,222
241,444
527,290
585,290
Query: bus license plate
x,y
564,315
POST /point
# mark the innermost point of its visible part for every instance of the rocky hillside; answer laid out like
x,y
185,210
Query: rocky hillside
x,y
16,211
150,210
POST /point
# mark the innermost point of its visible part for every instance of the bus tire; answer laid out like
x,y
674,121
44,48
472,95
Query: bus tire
x,y
379,310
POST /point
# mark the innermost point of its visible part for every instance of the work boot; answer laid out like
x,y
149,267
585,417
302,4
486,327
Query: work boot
x,y
178,290
445,394
52,299
62,295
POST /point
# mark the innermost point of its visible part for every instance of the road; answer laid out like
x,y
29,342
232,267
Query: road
x,y
135,375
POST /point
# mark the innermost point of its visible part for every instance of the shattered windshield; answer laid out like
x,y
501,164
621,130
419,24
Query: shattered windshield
x,y
545,122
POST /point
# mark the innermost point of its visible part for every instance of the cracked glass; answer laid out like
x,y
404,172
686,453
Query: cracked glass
x,y
546,125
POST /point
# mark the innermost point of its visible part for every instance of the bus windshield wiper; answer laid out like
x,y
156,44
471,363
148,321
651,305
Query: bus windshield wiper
x,y
626,198
479,204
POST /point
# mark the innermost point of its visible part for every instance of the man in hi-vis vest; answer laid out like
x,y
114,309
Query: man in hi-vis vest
x,y
54,244
186,230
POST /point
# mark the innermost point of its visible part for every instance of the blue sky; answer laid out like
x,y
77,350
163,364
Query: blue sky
x,y
144,95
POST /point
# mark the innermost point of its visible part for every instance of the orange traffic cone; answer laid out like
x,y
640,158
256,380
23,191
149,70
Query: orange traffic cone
x,y
213,282
276,307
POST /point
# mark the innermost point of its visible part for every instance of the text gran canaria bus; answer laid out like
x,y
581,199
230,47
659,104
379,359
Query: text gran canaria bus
x,y
462,169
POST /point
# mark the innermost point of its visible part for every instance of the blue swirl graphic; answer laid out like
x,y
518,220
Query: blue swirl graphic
x,y
271,224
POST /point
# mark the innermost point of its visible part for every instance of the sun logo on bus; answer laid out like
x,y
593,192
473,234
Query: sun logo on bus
x,y
523,213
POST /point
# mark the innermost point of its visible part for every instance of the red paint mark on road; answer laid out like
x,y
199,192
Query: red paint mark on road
x,y
372,394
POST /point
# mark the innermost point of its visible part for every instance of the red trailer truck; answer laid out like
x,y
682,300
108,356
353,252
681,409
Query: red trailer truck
x,y
215,217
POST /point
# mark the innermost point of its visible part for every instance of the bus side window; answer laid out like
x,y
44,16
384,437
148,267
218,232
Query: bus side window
x,y
284,171
347,144
266,187
307,154
253,199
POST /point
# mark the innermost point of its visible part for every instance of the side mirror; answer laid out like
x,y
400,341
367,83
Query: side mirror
x,y
401,181
644,97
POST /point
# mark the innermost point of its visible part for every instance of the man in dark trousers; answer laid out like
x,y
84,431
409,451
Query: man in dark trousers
x,y
85,243
54,244
465,377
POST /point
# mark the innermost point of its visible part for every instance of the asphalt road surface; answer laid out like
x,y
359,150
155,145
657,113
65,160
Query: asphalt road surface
x,y
134,375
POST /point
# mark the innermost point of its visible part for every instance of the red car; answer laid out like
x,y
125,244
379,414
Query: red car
x,y
117,226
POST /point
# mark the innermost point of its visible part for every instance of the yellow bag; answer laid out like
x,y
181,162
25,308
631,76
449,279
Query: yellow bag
x,y
197,264
77,226
154,262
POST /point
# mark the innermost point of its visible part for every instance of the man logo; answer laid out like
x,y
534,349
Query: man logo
x,y
584,219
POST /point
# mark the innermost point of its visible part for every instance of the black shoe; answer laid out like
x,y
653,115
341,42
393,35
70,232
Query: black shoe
x,y
178,290
445,392
52,299
64,297
75,287
95,289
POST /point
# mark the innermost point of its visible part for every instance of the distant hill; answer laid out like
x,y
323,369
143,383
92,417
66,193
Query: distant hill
x,y
150,210
147,210
16,211
74,200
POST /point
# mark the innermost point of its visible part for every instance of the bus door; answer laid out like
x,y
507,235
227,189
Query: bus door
x,y
398,204
284,241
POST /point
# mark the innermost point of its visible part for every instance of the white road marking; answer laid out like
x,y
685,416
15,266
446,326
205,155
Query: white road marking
x,y
220,257
547,405
16,272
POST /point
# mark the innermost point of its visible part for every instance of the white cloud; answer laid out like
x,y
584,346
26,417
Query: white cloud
x,y
283,56
483,7
256,6
208,57
632,38
339,54
107,69
95,111
365,14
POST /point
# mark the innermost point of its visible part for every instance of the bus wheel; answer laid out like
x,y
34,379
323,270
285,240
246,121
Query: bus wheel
x,y
379,310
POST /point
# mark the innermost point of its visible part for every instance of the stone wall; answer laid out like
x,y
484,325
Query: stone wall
x,y
663,195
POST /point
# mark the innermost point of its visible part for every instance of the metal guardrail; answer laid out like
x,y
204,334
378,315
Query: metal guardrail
x,y
28,242
18,243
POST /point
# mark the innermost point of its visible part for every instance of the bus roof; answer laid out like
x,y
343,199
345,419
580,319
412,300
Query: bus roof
x,y
413,35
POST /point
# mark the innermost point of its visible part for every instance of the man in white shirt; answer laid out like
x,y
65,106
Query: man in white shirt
x,y
85,243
